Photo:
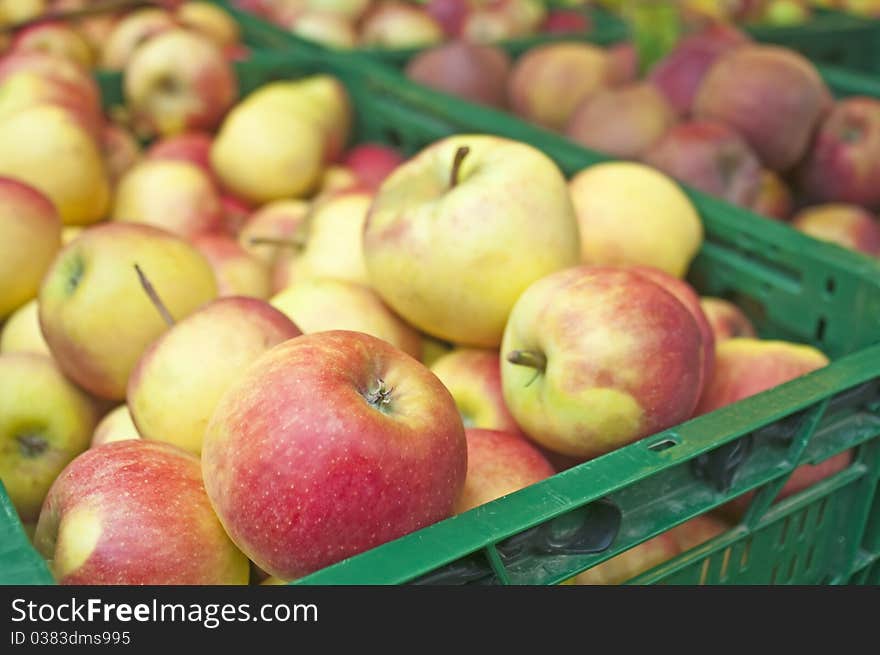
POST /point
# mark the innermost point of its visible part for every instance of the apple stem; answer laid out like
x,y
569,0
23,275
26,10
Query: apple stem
x,y
380,397
530,358
460,154
297,243
154,296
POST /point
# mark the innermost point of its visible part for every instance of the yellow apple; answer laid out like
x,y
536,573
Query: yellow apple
x,y
210,20
132,31
21,332
115,426
335,243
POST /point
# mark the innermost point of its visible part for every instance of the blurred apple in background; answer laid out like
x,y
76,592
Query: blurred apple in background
x,y
595,358
623,63
697,531
349,442
622,122
399,25
450,14
711,157
17,11
55,38
726,319
135,512
565,21
132,31
95,315
774,199
21,331
236,213
610,201
372,163
178,81
549,81
322,304
45,421
631,562
772,96
448,274
850,226
843,164
30,237
499,463
238,273
117,425
280,229
178,381
328,29
121,151
210,20
473,377
193,147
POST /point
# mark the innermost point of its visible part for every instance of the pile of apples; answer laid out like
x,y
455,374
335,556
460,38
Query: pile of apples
x,y
105,40
390,24
753,124
250,350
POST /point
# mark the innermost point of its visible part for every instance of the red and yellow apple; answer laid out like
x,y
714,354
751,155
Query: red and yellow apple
x,y
116,425
849,226
238,272
726,319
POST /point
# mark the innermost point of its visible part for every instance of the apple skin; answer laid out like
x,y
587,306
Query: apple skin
x,y
372,163
330,30
623,63
623,360
21,332
193,147
135,512
47,147
238,273
711,157
121,151
98,348
772,96
616,229
450,14
420,232
843,164
746,366
849,226
54,68
549,81
210,20
282,219
30,237
236,213
394,24
133,30
774,199
346,440
322,304
499,463
565,21
174,195
474,72
117,425
726,319
178,381
45,421
473,377
179,81
56,38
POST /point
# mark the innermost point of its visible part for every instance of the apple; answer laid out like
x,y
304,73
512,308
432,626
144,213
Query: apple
x,y
623,64
48,148
30,236
210,20
277,229
133,30
451,239
46,422
774,199
697,531
121,151
178,81
322,304
623,122
656,226
55,38
487,25
746,366
474,72
631,562
238,272
78,80
772,96
337,178
344,439
849,226
180,378
334,247
594,358
549,81
352,9
135,512
117,425
330,30
17,11
236,213
711,157
843,164
394,24
372,163
193,147
780,13
499,463
726,319
21,332
174,195
449,14
565,21
473,377
94,313
433,349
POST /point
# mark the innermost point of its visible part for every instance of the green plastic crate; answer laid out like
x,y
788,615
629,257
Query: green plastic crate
x,y
792,286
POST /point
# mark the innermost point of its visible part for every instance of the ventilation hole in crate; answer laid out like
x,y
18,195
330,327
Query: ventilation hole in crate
x,y
821,515
704,571
808,563
662,445
792,568
744,558
830,285
724,564
820,329
784,533
773,574
803,527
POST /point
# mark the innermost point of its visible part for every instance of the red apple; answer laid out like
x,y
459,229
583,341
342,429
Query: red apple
x,y
372,162
450,14
499,463
565,21
341,438
135,512
194,147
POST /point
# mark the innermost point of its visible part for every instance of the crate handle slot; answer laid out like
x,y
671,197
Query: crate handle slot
x,y
719,467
